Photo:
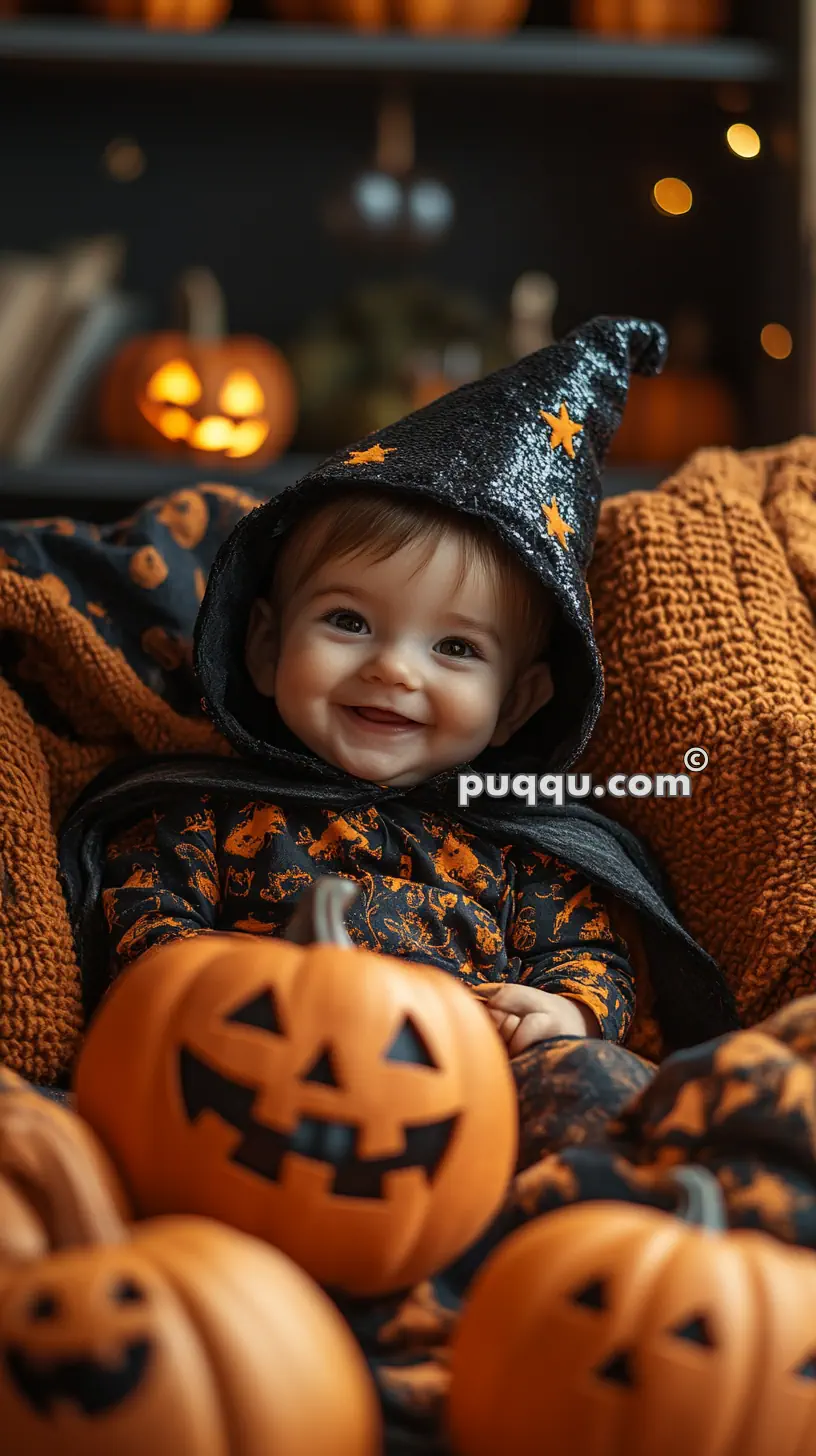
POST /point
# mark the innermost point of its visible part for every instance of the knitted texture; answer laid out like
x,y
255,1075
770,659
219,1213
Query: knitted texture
x,y
60,627
704,596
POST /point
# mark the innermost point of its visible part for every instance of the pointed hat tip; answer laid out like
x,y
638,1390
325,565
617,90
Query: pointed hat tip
x,y
648,346
643,343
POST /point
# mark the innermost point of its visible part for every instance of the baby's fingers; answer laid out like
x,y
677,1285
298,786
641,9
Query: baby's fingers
x,y
510,996
505,1022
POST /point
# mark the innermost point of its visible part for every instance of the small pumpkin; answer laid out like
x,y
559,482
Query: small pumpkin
x,y
612,1328
174,1336
651,19
355,1110
39,1206
423,17
200,395
163,14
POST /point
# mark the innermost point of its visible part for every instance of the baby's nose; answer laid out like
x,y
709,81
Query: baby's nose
x,y
396,663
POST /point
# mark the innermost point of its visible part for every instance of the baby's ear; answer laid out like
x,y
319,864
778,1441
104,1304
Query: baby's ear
x,y
261,651
531,690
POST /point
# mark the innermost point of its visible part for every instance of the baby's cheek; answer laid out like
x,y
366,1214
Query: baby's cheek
x,y
472,706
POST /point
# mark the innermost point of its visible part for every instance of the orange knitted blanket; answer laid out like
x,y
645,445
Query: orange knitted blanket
x,y
96,626
705,599
704,596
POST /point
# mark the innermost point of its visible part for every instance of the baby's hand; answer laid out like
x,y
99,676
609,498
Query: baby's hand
x,y
525,1015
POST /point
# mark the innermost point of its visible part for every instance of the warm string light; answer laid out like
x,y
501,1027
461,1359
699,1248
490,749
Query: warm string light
x,y
672,196
776,340
123,159
743,140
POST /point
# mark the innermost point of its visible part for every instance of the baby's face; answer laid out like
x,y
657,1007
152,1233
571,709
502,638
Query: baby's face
x,y
394,670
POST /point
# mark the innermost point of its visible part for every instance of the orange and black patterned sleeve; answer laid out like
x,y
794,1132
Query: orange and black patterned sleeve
x,y
561,933
160,881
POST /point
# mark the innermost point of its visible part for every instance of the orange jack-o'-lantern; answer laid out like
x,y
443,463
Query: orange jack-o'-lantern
x,y
176,1336
608,1327
356,1110
200,395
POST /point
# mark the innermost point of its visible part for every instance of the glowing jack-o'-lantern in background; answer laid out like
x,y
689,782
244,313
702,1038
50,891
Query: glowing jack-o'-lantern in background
x,y
356,1110
201,394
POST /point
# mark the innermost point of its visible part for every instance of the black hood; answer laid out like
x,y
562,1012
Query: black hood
x,y
523,450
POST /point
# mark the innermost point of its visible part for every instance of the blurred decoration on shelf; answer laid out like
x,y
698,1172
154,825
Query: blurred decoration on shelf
x,y
685,407
199,394
423,17
651,19
532,306
162,14
390,204
61,317
389,348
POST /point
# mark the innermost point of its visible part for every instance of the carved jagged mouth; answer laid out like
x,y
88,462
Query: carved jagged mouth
x,y
263,1148
93,1385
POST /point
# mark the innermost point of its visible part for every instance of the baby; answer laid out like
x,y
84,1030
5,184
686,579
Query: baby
x,y
415,607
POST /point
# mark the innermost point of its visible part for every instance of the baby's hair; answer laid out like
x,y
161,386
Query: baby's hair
x,y
380,522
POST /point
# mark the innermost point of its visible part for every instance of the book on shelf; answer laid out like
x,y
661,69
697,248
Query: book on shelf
x,y
46,426
39,296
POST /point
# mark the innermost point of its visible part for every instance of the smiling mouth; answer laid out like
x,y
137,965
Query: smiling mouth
x,y
262,1149
382,719
92,1385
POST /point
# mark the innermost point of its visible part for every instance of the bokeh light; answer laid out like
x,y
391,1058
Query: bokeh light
x,y
776,340
123,159
672,196
743,140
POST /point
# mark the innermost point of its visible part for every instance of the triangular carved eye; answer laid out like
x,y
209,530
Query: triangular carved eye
x,y
696,1331
322,1070
592,1296
410,1046
807,1369
261,1011
617,1369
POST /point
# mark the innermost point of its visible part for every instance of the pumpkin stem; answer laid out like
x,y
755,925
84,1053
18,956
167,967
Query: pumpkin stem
x,y
202,304
51,1158
701,1201
320,915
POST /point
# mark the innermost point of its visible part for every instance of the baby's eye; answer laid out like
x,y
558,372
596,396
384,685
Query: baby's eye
x,y
456,647
347,621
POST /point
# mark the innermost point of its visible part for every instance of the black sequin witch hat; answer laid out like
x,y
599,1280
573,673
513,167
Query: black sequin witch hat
x,y
523,450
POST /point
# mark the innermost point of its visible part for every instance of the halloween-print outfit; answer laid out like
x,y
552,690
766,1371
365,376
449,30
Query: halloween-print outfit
x,y
495,891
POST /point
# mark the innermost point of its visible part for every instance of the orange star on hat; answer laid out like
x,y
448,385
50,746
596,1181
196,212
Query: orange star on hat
x,y
556,525
563,429
374,455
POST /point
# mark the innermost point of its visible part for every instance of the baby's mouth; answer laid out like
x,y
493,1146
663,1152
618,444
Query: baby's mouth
x,y
383,718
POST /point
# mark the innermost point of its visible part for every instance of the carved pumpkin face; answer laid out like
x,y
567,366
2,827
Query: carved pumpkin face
x,y
356,1111
621,1330
230,400
159,1343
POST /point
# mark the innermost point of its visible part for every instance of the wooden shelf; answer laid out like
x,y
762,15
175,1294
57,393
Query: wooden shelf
x,y
274,47
112,477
